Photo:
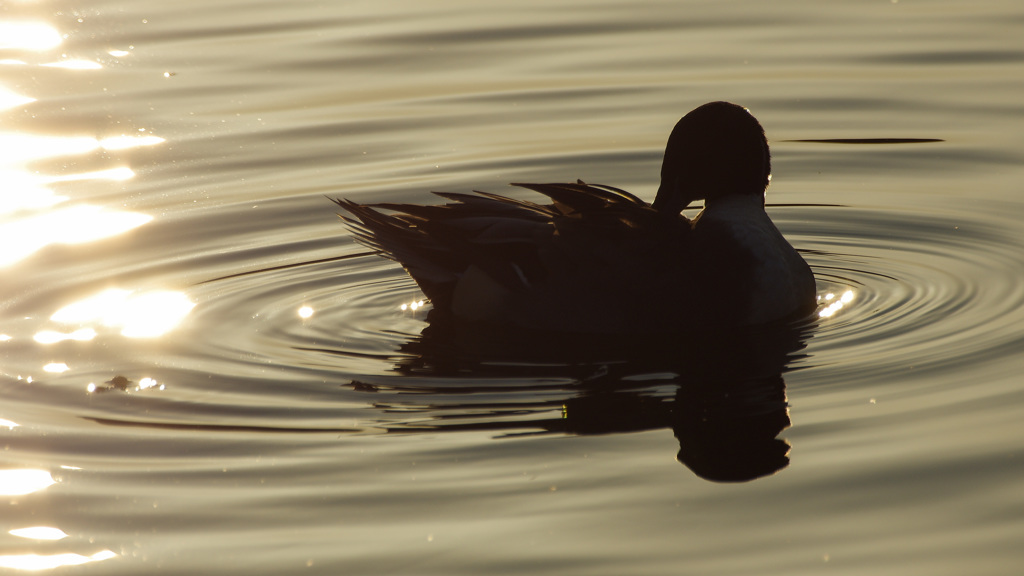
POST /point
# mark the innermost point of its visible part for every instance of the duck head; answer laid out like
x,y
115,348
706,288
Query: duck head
x,y
716,150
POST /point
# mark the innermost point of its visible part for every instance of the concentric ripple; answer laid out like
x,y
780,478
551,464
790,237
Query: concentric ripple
x,y
343,316
932,292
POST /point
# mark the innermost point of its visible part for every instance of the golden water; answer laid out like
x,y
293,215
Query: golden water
x,y
199,372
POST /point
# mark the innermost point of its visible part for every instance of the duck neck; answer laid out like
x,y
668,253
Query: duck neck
x,y
744,200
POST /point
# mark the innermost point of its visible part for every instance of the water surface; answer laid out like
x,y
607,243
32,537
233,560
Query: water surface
x,y
201,371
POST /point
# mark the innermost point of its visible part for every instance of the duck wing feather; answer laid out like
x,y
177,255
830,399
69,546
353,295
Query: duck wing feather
x,y
589,235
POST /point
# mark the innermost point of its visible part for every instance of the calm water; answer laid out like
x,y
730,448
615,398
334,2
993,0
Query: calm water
x,y
200,371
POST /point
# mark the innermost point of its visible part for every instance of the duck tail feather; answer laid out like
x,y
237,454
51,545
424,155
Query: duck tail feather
x,y
403,239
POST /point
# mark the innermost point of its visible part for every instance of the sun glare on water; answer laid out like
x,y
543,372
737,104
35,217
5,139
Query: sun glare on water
x,y
34,36
138,314
834,303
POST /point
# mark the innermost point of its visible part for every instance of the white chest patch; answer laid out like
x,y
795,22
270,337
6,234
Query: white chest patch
x,y
781,277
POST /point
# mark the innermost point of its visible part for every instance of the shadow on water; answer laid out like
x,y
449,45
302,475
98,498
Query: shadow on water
x,y
722,393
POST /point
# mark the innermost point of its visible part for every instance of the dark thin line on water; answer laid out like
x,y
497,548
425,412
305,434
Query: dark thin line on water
x,y
805,205
866,272
866,140
287,266
217,427
774,205
346,353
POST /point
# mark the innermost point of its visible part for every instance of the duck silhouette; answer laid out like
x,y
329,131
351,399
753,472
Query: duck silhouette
x,y
599,260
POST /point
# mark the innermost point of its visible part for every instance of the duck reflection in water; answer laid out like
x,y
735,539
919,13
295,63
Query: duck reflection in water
x,y
599,271
721,392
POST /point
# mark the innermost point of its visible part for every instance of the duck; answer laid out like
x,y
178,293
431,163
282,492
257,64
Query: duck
x,y
596,259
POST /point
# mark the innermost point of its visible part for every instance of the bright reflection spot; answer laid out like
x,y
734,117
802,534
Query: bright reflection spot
x,y
28,36
141,315
125,142
52,336
10,425
39,533
118,53
4,337
25,481
55,367
150,315
147,383
74,65
40,562
9,99
13,62
24,191
17,147
412,305
305,312
91,387
115,174
100,306
835,305
74,225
